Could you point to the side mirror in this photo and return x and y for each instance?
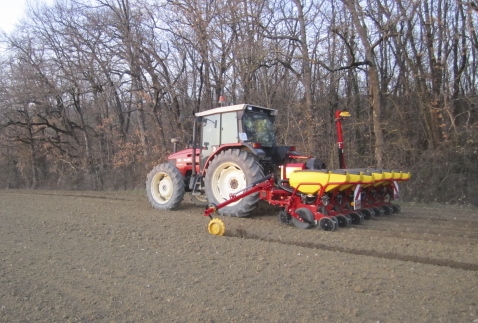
(205, 120)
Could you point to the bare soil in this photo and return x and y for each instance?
(108, 256)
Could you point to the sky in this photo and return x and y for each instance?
(11, 11)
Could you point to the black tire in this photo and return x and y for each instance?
(372, 213)
(366, 214)
(327, 224)
(357, 218)
(387, 209)
(396, 208)
(165, 187)
(229, 172)
(378, 211)
(343, 221)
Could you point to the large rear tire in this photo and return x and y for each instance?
(230, 172)
(165, 187)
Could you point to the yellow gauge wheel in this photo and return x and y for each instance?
(216, 227)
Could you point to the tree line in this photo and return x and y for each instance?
(92, 90)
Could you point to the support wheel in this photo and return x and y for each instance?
(230, 172)
(367, 214)
(334, 219)
(357, 218)
(343, 221)
(387, 210)
(216, 227)
(396, 208)
(327, 224)
(306, 218)
(165, 187)
(362, 217)
(372, 213)
(378, 211)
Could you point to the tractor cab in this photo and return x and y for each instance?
(241, 124)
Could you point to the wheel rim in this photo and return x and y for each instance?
(229, 179)
(162, 188)
(216, 227)
(200, 198)
(327, 224)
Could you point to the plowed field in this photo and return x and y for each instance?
(109, 257)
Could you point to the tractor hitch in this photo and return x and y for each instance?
(265, 183)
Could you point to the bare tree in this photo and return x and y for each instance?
(359, 20)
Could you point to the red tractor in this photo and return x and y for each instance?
(235, 162)
(235, 148)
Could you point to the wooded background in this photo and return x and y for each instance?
(91, 91)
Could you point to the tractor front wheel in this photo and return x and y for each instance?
(229, 173)
(165, 187)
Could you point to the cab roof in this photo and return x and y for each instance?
(231, 108)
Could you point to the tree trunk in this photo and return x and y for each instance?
(373, 82)
(306, 80)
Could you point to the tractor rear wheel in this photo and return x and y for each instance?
(230, 172)
(165, 187)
